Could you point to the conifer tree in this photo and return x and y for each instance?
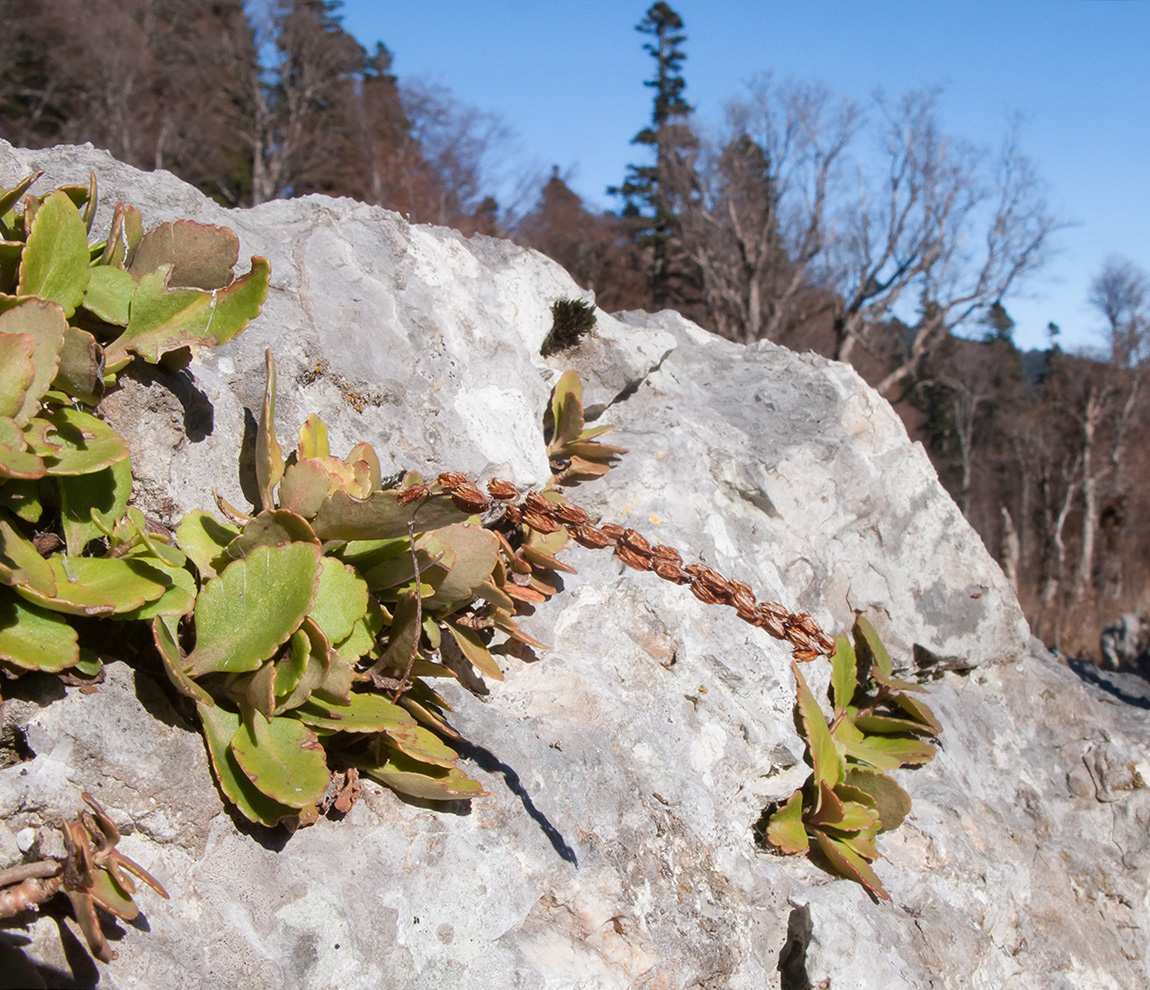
(650, 192)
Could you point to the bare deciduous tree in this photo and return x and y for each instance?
(756, 221)
(936, 226)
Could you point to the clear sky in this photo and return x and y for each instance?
(567, 76)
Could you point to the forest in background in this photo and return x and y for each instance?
(865, 233)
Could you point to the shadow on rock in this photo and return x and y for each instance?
(493, 765)
(1129, 688)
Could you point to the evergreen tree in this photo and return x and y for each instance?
(651, 192)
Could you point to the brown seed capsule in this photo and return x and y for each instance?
(799, 639)
(667, 553)
(805, 656)
(590, 537)
(467, 498)
(668, 570)
(773, 609)
(502, 490)
(473, 621)
(612, 530)
(565, 512)
(747, 615)
(827, 642)
(452, 479)
(537, 503)
(632, 559)
(634, 540)
(718, 586)
(412, 494)
(703, 593)
(513, 514)
(771, 624)
(742, 597)
(539, 522)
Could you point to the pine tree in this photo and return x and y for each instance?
(650, 192)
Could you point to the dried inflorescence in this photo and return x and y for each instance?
(93, 874)
(545, 516)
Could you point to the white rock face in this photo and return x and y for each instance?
(628, 765)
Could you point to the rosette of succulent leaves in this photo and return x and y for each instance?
(878, 725)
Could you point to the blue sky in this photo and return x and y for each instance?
(567, 77)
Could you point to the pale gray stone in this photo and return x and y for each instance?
(628, 765)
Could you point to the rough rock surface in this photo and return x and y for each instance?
(629, 764)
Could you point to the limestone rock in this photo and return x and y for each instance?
(627, 766)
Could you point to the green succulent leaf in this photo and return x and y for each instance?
(855, 817)
(361, 640)
(891, 802)
(163, 318)
(73, 442)
(920, 712)
(164, 634)
(420, 744)
(204, 538)
(107, 490)
(825, 758)
(220, 727)
(33, 638)
(126, 233)
(844, 674)
(849, 863)
(304, 486)
(364, 453)
(381, 516)
(785, 828)
(81, 366)
(337, 683)
(54, 265)
(880, 724)
(420, 780)
(200, 256)
(473, 554)
(828, 808)
(20, 496)
(16, 371)
(270, 528)
(249, 611)
(283, 758)
(21, 563)
(341, 600)
(882, 752)
(113, 898)
(566, 410)
(313, 443)
(10, 197)
(109, 294)
(99, 585)
(16, 461)
(304, 668)
(402, 636)
(867, 643)
(44, 324)
(178, 600)
(471, 646)
(366, 713)
(269, 456)
(398, 569)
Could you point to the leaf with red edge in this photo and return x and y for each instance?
(849, 863)
(785, 828)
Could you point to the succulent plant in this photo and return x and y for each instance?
(848, 799)
(306, 633)
(73, 314)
